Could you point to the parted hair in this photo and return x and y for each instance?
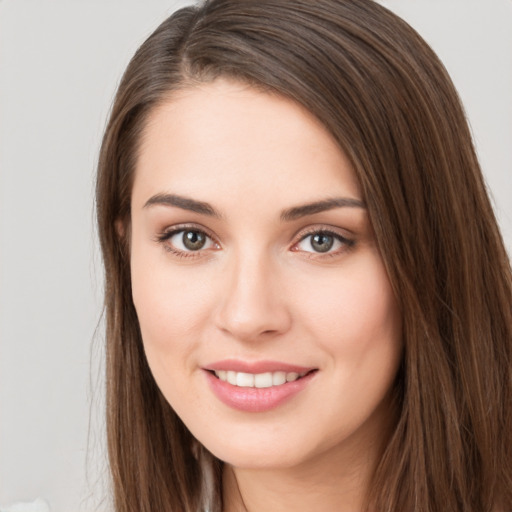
(389, 103)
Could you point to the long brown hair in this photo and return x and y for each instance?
(388, 101)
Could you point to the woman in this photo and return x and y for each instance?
(307, 295)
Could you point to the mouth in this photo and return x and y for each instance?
(259, 380)
(257, 387)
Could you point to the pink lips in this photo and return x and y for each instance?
(256, 367)
(250, 399)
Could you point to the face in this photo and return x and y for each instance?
(266, 313)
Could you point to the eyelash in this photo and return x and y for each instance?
(347, 243)
(164, 237)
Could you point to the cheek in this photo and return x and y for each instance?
(171, 305)
(355, 317)
(355, 321)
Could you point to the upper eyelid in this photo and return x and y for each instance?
(303, 233)
(172, 230)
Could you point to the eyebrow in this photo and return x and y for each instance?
(185, 203)
(293, 213)
(320, 206)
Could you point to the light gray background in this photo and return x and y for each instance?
(60, 61)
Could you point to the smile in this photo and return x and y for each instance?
(257, 386)
(258, 380)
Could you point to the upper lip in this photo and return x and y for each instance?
(256, 367)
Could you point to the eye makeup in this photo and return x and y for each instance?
(192, 241)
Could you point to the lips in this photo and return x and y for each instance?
(256, 386)
(256, 366)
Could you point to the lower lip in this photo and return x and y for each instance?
(256, 399)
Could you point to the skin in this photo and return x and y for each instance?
(258, 290)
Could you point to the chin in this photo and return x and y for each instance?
(259, 458)
(258, 448)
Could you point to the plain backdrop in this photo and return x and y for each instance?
(60, 61)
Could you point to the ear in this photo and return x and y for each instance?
(120, 228)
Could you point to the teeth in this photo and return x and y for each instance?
(290, 377)
(263, 380)
(259, 380)
(278, 378)
(245, 380)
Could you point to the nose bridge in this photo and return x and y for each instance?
(252, 302)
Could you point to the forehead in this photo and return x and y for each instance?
(227, 139)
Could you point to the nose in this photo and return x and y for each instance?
(253, 303)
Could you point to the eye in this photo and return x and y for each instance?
(187, 240)
(323, 242)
